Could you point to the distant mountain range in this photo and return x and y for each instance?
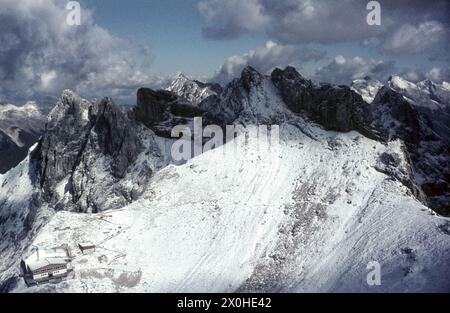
(20, 128)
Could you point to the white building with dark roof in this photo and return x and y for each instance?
(45, 265)
(86, 247)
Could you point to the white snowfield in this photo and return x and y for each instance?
(308, 216)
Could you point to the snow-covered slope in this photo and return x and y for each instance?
(308, 216)
(193, 90)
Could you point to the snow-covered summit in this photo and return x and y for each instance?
(28, 109)
(367, 88)
(192, 90)
(252, 98)
(426, 93)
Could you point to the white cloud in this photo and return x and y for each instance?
(266, 58)
(340, 60)
(406, 26)
(438, 74)
(413, 75)
(344, 70)
(410, 38)
(226, 19)
(41, 55)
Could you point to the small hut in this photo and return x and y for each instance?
(86, 248)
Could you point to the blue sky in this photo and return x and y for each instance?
(172, 28)
(123, 45)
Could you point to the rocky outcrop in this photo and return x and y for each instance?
(115, 136)
(334, 107)
(341, 109)
(395, 117)
(161, 110)
(81, 139)
(59, 150)
(152, 106)
(252, 98)
(413, 113)
(296, 91)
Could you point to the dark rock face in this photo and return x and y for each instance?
(334, 107)
(78, 136)
(296, 91)
(115, 136)
(161, 110)
(152, 106)
(11, 153)
(213, 86)
(250, 78)
(426, 135)
(389, 105)
(59, 150)
(341, 109)
(185, 110)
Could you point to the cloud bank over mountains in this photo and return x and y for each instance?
(266, 58)
(42, 55)
(407, 28)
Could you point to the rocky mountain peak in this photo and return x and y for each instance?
(192, 90)
(291, 74)
(160, 110)
(181, 77)
(367, 88)
(399, 83)
(419, 116)
(250, 78)
(79, 134)
(70, 105)
(152, 105)
(334, 107)
(115, 136)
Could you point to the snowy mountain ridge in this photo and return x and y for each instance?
(418, 114)
(367, 88)
(192, 90)
(307, 216)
